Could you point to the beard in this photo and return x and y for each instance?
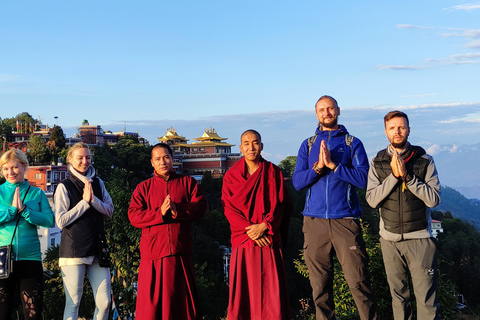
(399, 145)
(331, 124)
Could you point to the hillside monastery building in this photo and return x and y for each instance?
(208, 152)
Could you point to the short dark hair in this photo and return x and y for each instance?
(161, 145)
(326, 97)
(394, 114)
(255, 132)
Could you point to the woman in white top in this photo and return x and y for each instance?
(81, 203)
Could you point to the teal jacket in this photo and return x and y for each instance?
(38, 212)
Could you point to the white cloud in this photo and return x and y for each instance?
(466, 7)
(453, 149)
(400, 67)
(474, 44)
(410, 26)
(433, 149)
(456, 59)
(468, 118)
(464, 33)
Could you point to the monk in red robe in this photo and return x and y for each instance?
(164, 207)
(258, 208)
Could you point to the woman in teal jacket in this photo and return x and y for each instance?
(29, 205)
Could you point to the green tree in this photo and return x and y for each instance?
(53, 292)
(56, 142)
(459, 257)
(23, 119)
(37, 151)
(212, 190)
(123, 241)
(134, 157)
(288, 165)
(5, 131)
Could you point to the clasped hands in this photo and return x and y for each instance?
(398, 166)
(88, 192)
(256, 232)
(17, 201)
(168, 204)
(324, 159)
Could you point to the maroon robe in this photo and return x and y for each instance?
(258, 286)
(166, 279)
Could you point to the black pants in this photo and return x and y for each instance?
(26, 279)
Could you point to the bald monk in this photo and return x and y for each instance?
(258, 208)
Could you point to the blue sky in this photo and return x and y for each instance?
(233, 65)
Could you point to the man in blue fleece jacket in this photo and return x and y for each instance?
(331, 165)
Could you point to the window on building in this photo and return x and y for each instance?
(38, 176)
(52, 242)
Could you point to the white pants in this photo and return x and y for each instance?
(99, 278)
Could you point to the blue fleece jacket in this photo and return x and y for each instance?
(332, 194)
(26, 245)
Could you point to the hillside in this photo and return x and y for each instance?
(459, 206)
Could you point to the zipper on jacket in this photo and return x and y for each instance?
(400, 214)
(328, 176)
(348, 195)
(168, 227)
(309, 192)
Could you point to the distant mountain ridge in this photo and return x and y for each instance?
(459, 206)
(470, 192)
(458, 167)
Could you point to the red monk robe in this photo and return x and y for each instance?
(166, 279)
(258, 286)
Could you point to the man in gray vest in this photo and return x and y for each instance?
(403, 183)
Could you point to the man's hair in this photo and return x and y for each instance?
(76, 146)
(14, 154)
(394, 114)
(327, 97)
(255, 132)
(161, 145)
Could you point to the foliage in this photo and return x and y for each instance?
(123, 241)
(212, 291)
(133, 157)
(212, 189)
(459, 257)
(22, 118)
(5, 131)
(56, 142)
(37, 151)
(53, 296)
(288, 165)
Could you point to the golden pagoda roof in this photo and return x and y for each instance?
(171, 134)
(209, 134)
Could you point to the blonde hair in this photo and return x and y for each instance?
(76, 146)
(14, 154)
